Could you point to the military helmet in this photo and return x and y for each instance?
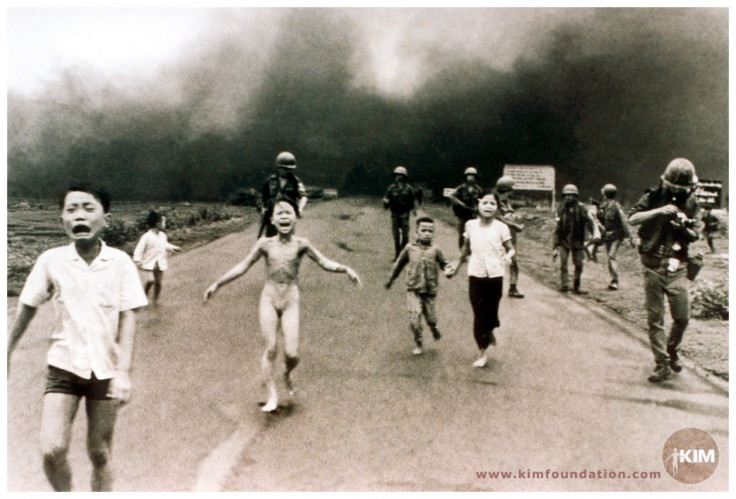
(286, 160)
(471, 171)
(680, 172)
(570, 189)
(505, 184)
(609, 190)
(400, 170)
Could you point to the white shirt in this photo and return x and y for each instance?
(87, 300)
(486, 246)
(151, 250)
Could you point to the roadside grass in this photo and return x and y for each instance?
(32, 229)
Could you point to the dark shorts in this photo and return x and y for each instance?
(61, 381)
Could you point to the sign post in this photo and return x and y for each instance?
(533, 178)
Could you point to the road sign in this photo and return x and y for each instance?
(531, 177)
(709, 192)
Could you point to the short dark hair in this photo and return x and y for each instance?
(99, 192)
(286, 199)
(425, 220)
(153, 218)
(486, 192)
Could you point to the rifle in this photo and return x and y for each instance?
(264, 224)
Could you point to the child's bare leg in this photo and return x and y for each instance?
(414, 307)
(58, 414)
(269, 319)
(290, 328)
(158, 277)
(101, 416)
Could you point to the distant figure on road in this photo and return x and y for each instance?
(490, 242)
(615, 229)
(400, 198)
(282, 184)
(151, 254)
(279, 304)
(667, 215)
(711, 225)
(95, 291)
(573, 220)
(464, 201)
(591, 246)
(504, 188)
(423, 261)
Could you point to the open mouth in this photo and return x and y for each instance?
(80, 229)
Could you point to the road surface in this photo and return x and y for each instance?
(565, 389)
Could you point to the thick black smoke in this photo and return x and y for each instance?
(609, 97)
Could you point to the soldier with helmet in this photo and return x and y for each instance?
(464, 201)
(282, 184)
(504, 188)
(666, 215)
(616, 229)
(573, 220)
(711, 225)
(401, 199)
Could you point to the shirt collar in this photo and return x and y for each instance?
(104, 255)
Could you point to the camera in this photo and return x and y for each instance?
(684, 224)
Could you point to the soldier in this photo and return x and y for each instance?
(464, 201)
(281, 184)
(711, 225)
(667, 215)
(616, 229)
(504, 188)
(573, 220)
(400, 198)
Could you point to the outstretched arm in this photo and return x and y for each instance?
(22, 318)
(453, 267)
(329, 265)
(120, 385)
(139, 249)
(510, 252)
(401, 261)
(236, 271)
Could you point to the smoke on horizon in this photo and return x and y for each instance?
(604, 95)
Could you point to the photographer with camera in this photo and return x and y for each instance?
(667, 215)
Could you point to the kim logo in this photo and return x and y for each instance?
(690, 455)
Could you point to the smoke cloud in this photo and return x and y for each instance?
(604, 95)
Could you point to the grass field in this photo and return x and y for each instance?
(35, 228)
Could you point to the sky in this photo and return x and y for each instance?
(505, 75)
(122, 41)
(113, 41)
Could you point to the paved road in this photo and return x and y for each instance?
(566, 389)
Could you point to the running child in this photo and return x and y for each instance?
(422, 260)
(151, 254)
(279, 303)
(95, 291)
(492, 250)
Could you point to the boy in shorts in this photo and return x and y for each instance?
(95, 291)
(423, 261)
(279, 303)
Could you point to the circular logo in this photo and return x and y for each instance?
(690, 455)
